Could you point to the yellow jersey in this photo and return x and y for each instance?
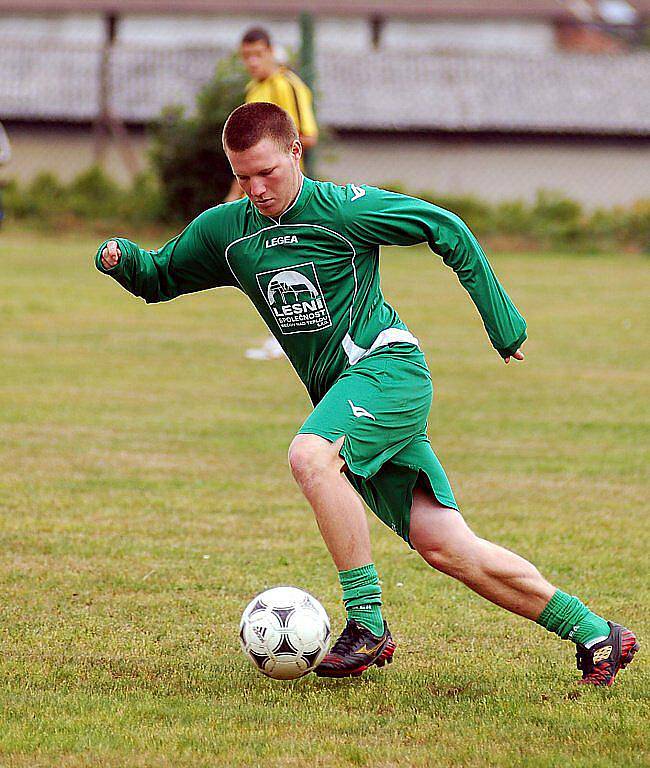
(288, 91)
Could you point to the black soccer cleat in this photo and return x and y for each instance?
(600, 663)
(356, 650)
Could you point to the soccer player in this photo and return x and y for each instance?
(306, 254)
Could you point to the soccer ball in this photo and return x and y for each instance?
(285, 632)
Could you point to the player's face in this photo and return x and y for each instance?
(258, 59)
(269, 175)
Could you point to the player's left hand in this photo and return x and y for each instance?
(111, 254)
(519, 355)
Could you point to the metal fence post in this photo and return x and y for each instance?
(308, 74)
(107, 125)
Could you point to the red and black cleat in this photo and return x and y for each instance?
(600, 663)
(356, 650)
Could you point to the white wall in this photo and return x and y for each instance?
(83, 28)
(531, 37)
(331, 33)
(228, 31)
(594, 174)
(196, 29)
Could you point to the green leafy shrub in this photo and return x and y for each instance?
(637, 225)
(513, 217)
(143, 202)
(92, 194)
(608, 227)
(557, 220)
(13, 200)
(551, 221)
(476, 213)
(187, 154)
(617, 228)
(44, 199)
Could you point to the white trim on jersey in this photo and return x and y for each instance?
(387, 336)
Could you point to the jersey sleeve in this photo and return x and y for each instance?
(304, 106)
(374, 217)
(192, 261)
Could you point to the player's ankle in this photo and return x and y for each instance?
(571, 620)
(369, 617)
(362, 597)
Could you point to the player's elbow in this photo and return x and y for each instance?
(457, 225)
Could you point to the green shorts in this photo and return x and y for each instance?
(381, 405)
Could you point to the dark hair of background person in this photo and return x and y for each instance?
(255, 34)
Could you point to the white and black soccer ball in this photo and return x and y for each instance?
(285, 632)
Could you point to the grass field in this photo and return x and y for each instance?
(145, 498)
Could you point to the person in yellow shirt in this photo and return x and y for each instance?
(277, 84)
(272, 82)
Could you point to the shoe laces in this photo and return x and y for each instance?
(348, 640)
(585, 663)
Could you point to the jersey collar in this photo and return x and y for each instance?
(299, 204)
(302, 198)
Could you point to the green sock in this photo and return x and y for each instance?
(362, 597)
(572, 620)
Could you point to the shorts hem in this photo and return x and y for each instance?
(401, 528)
(343, 453)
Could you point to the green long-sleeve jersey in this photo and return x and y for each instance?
(313, 273)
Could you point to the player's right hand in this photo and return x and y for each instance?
(518, 355)
(111, 254)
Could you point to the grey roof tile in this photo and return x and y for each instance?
(371, 91)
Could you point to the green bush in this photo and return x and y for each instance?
(187, 154)
(13, 200)
(476, 213)
(608, 227)
(637, 227)
(551, 221)
(557, 220)
(514, 218)
(143, 202)
(44, 199)
(92, 194)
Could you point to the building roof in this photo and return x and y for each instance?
(532, 9)
(450, 91)
(459, 91)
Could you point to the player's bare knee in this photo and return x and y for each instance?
(300, 455)
(312, 457)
